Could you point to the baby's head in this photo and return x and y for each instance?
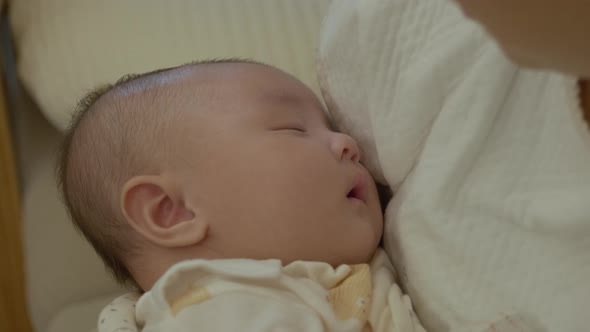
(221, 159)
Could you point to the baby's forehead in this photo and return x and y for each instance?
(211, 89)
(296, 102)
(268, 86)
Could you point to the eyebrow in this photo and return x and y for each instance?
(285, 98)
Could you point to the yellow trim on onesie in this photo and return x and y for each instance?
(194, 296)
(351, 298)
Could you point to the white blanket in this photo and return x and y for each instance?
(490, 163)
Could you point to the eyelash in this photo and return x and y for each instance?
(290, 125)
(296, 129)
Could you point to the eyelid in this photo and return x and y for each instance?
(292, 130)
(296, 128)
(292, 126)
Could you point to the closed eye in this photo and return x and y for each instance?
(295, 129)
(292, 128)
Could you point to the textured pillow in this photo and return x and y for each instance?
(67, 47)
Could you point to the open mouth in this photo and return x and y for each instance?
(358, 191)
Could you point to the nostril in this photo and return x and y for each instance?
(352, 193)
(344, 147)
(350, 154)
(346, 152)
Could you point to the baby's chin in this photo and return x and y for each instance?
(371, 252)
(363, 255)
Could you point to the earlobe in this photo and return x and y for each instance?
(155, 208)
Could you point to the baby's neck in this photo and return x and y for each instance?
(153, 262)
(585, 99)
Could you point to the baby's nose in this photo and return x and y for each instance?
(345, 147)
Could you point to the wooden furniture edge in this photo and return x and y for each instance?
(13, 303)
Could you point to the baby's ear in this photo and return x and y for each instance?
(153, 206)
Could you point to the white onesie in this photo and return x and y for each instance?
(252, 295)
(249, 295)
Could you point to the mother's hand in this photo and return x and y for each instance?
(549, 34)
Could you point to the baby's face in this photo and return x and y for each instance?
(262, 166)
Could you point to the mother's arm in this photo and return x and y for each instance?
(550, 34)
(585, 98)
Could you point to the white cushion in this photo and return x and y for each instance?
(67, 47)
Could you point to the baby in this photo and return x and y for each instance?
(221, 191)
